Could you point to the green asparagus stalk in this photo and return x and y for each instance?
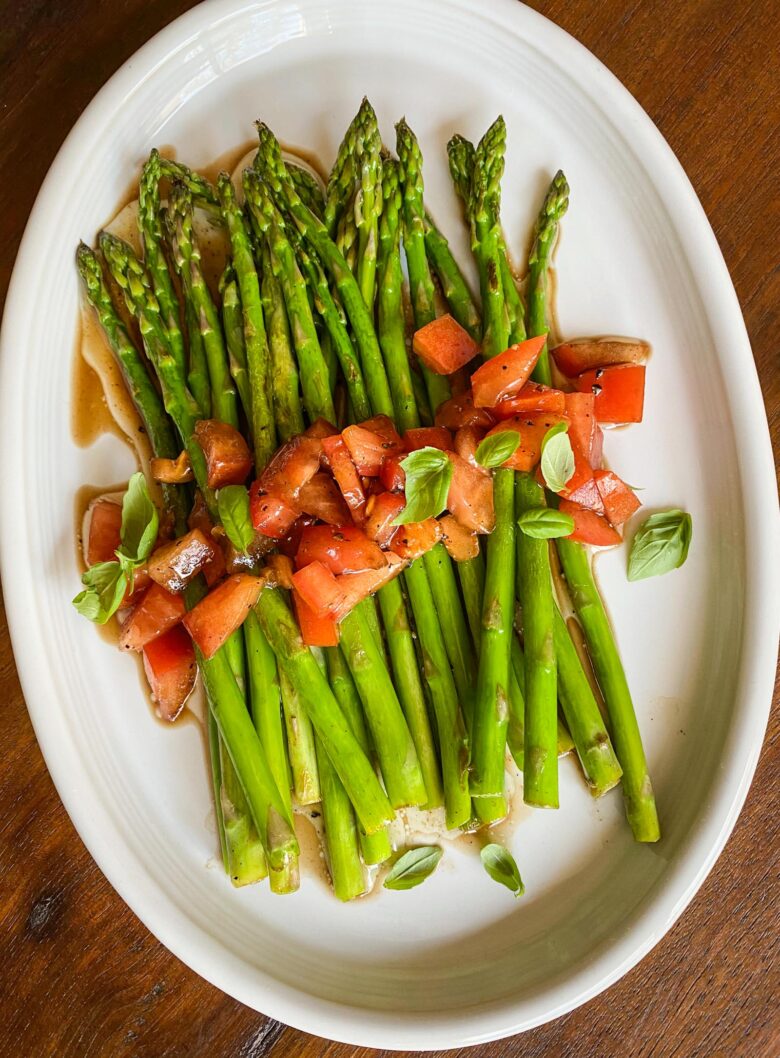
(198, 367)
(368, 201)
(233, 327)
(555, 204)
(286, 384)
(342, 178)
(300, 745)
(308, 188)
(341, 833)
(453, 285)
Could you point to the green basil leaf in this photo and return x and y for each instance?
(660, 544)
(140, 521)
(233, 507)
(105, 585)
(557, 457)
(428, 477)
(545, 523)
(497, 448)
(414, 866)
(500, 865)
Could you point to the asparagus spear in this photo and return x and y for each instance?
(308, 188)
(342, 177)
(300, 745)
(453, 284)
(286, 384)
(368, 200)
(233, 326)
(555, 204)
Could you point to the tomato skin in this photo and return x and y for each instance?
(414, 539)
(382, 510)
(343, 549)
(157, 611)
(470, 498)
(467, 441)
(619, 391)
(322, 499)
(460, 411)
(218, 614)
(228, 459)
(444, 346)
(295, 463)
(461, 544)
(271, 515)
(175, 564)
(392, 474)
(103, 534)
(319, 589)
(504, 375)
(620, 502)
(315, 631)
(532, 429)
(170, 667)
(584, 354)
(428, 437)
(342, 468)
(585, 433)
(589, 527)
(533, 397)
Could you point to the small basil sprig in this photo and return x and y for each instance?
(545, 523)
(105, 583)
(413, 867)
(497, 448)
(428, 478)
(500, 865)
(233, 508)
(660, 544)
(557, 457)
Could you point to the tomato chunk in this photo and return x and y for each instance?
(104, 521)
(358, 586)
(584, 432)
(467, 441)
(319, 589)
(176, 471)
(228, 459)
(290, 543)
(214, 569)
(415, 538)
(366, 449)
(295, 463)
(321, 498)
(620, 502)
(460, 411)
(315, 631)
(383, 425)
(343, 549)
(589, 527)
(619, 391)
(444, 346)
(470, 497)
(382, 511)
(271, 515)
(222, 611)
(428, 437)
(586, 494)
(321, 429)
(174, 565)
(392, 474)
(169, 664)
(157, 611)
(347, 478)
(505, 374)
(281, 568)
(461, 543)
(532, 397)
(532, 430)
(583, 354)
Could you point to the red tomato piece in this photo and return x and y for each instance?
(392, 474)
(271, 515)
(358, 586)
(412, 540)
(157, 611)
(382, 510)
(470, 497)
(583, 354)
(619, 391)
(319, 589)
(214, 569)
(290, 543)
(347, 478)
(366, 449)
(383, 425)
(315, 631)
(460, 411)
(174, 565)
(228, 459)
(444, 346)
(467, 441)
(428, 437)
(532, 430)
(176, 471)
(504, 375)
(295, 463)
(321, 429)
(321, 498)
(584, 432)
(460, 542)
(343, 549)
(620, 502)
(141, 581)
(589, 527)
(222, 611)
(104, 521)
(169, 664)
(587, 494)
(532, 397)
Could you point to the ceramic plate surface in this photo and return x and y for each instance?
(456, 961)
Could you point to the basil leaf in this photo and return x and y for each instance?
(140, 521)
(557, 457)
(105, 585)
(233, 507)
(500, 865)
(660, 544)
(544, 523)
(496, 449)
(428, 477)
(414, 866)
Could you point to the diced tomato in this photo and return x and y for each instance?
(174, 565)
(392, 474)
(199, 518)
(271, 515)
(532, 397)
(228, 459)
(444, 346)
(584, 432)
(620, 502)
(169, 664)
(505, 374)
(415, 538)
(104, 521)
(358, 586)
(460, 411)
(470, 497)
(321, 428)
(619, 391)
(366, 449)
(245, 561)
(141, 581)
(321, 498)
(460, 542)
(589, 527)
(176, 471)
(583, 354)
(343, 549)
(222, 611)
(382, 510)
(428, 437)
(290, 543)
(347, 478)
(295, 463)
(157, 611)
(315, 631)
(586, 495)
(532, 429)
(383, 425)
(467, 441)
(215, 569)
(281, 568)
(319, 589)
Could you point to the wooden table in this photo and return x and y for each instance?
(80, 977)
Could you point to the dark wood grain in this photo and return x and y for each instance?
(80, 977)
